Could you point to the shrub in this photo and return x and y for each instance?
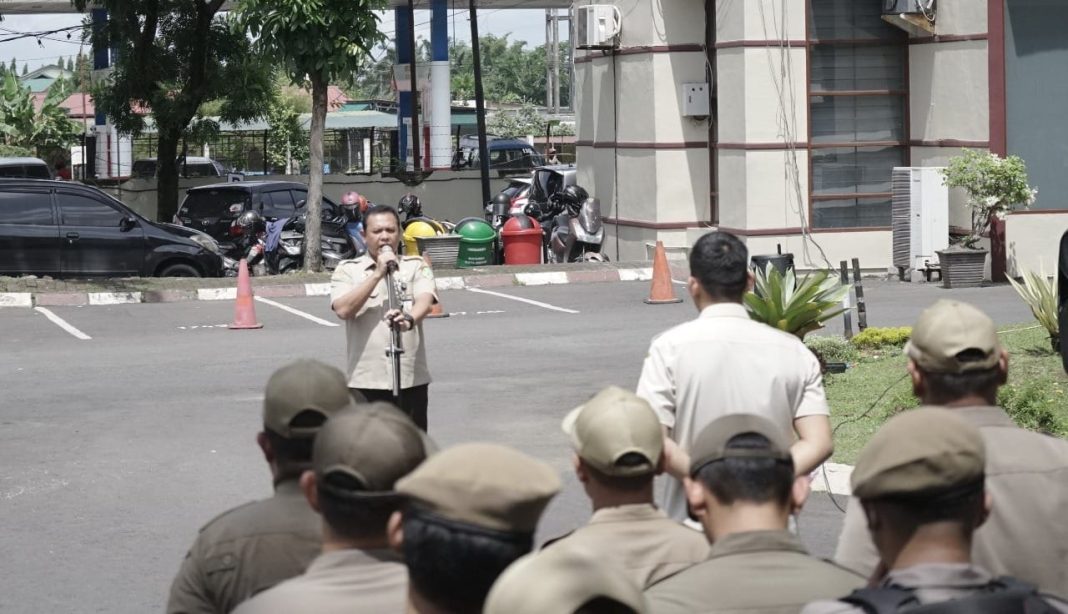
(876, 338)
(1034, 404)
(833, 349)
(1040, 294)
(795, 306)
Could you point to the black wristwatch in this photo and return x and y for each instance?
(411, 321)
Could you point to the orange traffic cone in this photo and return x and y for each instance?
(661, 291)
(244, 307)
(435, 311)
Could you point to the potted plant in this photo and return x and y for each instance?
(796, 307)
(995, 186)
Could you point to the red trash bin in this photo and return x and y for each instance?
(521, 237)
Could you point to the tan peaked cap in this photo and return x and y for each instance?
(711, 442)
(924, 451)
(301, 386)
(560, 579)
(612, 424)
(485, 485)
(946, 329)
(374, 444)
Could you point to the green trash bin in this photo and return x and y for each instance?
(476, 243)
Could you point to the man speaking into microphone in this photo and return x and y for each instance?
(360, 296)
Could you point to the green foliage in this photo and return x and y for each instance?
(1036, 404)
(520, 123)
(287, 140)
(995, 187)
(27, 131)
(833, 348)
(874, 338)
(1040, 294)
(797, 310)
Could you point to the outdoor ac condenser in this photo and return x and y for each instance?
(597, 26)
(919, 218)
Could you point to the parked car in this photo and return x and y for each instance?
(505, 155)
(26, 168)
(190, 166)
(66, 229)
(212, 208)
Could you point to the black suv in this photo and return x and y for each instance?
(69, 229)
(211, 208)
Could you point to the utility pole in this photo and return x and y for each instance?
(480, 103)
(416, 162)
(552, 53)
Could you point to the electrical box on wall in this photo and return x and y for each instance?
(695, 101)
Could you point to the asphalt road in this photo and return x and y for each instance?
(115, 449)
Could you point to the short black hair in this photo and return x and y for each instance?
(381, 209)
(454, 564)
(604, 605)
(753, 480)
(352, 512)
(719, 262)
(293, 456)
(964, 505)
(623, 483)
(943, 388)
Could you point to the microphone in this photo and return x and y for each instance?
(392, 265)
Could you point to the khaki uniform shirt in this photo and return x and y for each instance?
(1026, 535)
(368, 336)
(723, 362)
(340, 582)
(641, 540)
(758, 572)
(247, 550)
(933, 583)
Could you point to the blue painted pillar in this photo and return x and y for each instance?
(440, 87)
(101, 61)
(402, 42)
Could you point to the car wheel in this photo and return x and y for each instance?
(179, 270)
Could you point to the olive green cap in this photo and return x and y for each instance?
(948, 328)
(304, 385)
(926, 451)
(561, 579)
(485, 485)
(615, 423)
(373, 445)
(711, 443)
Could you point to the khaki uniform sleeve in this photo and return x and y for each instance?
(657, 384)
(189, 592)
(855, 549)
(813, 398)
(340, 283)
(423, 281)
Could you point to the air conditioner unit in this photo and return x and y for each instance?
(919, 217)
(908, 7)
(597, 26)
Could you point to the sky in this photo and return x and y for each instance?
(527, 25)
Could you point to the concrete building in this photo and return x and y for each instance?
(813, 102)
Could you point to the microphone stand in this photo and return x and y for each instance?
(396, 348)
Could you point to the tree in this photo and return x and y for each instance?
(173, 55)
(320, 41)
(524, 122)
(26, 131)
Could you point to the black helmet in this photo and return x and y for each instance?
(501, 199)
(574, 194)
(250, 221)
(410, 204)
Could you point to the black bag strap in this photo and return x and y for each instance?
(883, 600)
(1004, 595)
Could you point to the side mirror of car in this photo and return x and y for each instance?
(127, 223)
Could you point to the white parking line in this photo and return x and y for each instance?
(60, 322)
(296, 312)
(523, 300)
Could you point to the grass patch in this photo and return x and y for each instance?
(1034, 396)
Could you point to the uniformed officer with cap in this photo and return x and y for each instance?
(472, 511)
(359, 296)
(564, 581)
(956, 360)
(743, 489)
(257, 545)
(358, 457)
(619, 449)
(920, 483)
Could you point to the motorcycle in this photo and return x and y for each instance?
(572, 228)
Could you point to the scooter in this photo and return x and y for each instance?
(572, 228)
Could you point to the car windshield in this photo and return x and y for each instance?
(214, 203)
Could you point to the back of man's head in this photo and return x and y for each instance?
(719, 262)
(955, 354)
(357, 459)
(472, 511)
(298, 399)
(744, 458)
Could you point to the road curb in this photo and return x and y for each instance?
(836, 476)
(296, 290)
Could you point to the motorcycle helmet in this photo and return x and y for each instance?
(499, 205)
(355, 202)
(574, 194)
(410, 205)
(249, 223)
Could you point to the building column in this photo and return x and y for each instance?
(101, 62)
(441, 88)
(402, 43)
